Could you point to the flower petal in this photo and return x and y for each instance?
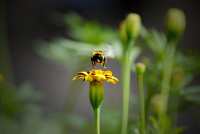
(96, 75)
(81, 76)
(108, 73)
(112, 79)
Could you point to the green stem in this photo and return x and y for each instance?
(165, 85)
(97, 120)
(126, 74)
(142, 103)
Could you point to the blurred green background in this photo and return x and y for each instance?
(36, 92)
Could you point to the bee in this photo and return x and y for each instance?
(98, 57)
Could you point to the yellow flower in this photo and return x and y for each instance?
(96, 75)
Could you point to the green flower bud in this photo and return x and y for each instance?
(130, 27)
(175, 23)
(140, 68)
(96, 94)
(157, 103)
(133, 25)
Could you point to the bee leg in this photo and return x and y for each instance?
(93, 64)
(104, 63)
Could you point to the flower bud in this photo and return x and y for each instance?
(96, 94)
(133, 25)
(157, 103)
(140, 68)
(130, 27)
(175, 23)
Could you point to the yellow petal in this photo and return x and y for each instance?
(108, 73)
(98, 72)
(112, 80)
(82, 73)
(88, 78)
(96, 75)
(80, 76)
(99, 77)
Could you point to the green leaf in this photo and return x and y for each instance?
(155, 40)
(89, 31)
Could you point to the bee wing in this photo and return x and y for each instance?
(108, 51)
(93, 51)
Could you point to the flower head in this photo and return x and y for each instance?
(130, 27)
(140, 68)
(175, 23)
(96, 75)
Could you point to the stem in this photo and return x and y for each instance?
(142, 103)
(126, 74)
(97, 120)
(165, 85)
(167, 77)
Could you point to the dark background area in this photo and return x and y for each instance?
(30, 20)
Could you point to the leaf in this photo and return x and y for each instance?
(89, 31)
(155, 40)
(155, 125)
